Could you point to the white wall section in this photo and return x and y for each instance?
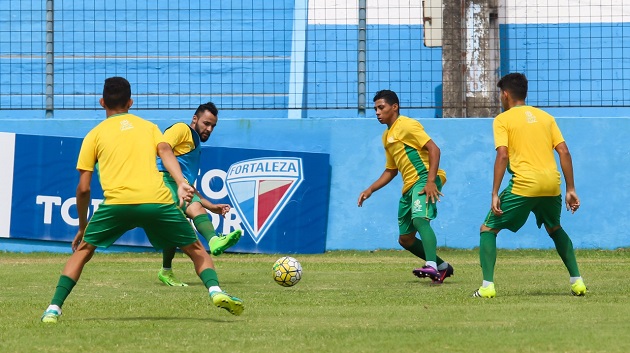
(7, 146)
(406, 12)
(379, 12)
(563, 11)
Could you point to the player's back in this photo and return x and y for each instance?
(126, 148)
(530, 135)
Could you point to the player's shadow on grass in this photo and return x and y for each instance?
(540, 293)
(427, 282)
(226, 283)
(158, 318)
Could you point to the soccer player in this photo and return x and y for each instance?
(525, 138)
(411, 151)
(125, 147)
(185, 140)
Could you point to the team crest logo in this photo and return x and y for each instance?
(417, 206)
(260, 189)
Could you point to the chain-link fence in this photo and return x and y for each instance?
(311, 57)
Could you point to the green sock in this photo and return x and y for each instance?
(488, 254)
(429, 241)
(418, 249)
(564, 246)
(167, 257)
(64, 287)
(204, 226)
(209, 277)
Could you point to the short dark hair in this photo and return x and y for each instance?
(389, 96)
(207, 107)
(515, 84)
(116, 92)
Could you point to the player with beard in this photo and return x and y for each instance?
(185, 139)
(125, 147)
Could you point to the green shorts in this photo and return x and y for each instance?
(166, 225)
(412, 205)
(172, 185)
(516, 210)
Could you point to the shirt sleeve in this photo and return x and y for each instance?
(87, 154)
(500, 133)
(176, 134)
(389, 161)
(414, 135)
(556, 135)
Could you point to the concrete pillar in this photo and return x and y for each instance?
(452, 60)
(481, 58)
(470, 58)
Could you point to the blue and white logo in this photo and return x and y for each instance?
(260, 188)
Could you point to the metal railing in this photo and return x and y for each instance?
(311, 57)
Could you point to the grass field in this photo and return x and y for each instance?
(346, 302)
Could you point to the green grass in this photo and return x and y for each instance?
(346, 302)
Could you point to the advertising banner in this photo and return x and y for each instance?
(278, 198)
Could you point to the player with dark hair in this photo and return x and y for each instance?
(525, 138)
(185, 140)
(411, 151)
(125, 147)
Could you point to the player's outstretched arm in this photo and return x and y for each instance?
(387, 176)
(217, 208)
(566, 163)
(83, 202)
(500, 164)
(431, 189)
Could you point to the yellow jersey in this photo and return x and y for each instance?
(530, 135)
(179, 136)
(125, 147)
(186, 145)
(403, 143)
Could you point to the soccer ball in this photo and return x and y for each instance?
(287, 271)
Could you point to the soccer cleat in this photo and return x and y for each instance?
(448, 272)
(578, 288)
(427, 271)
(225, 301)
(168, 277)
(218, 244)
(51, 316)
(487, 292)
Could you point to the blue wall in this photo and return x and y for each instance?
(600, 159)
(178, 54)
